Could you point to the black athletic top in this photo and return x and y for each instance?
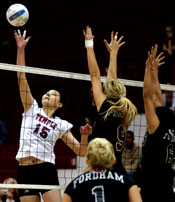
(111, 129)
(158, 157)
(103, 186)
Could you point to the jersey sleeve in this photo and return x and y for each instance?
(31, 109)
(63, 126)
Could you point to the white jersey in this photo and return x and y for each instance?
(39, 134)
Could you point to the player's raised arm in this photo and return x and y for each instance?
(157, 92)
(151, 117)
(113, 48)
(94, 71)
(25, 94)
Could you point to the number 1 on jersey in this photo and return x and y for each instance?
(98, 191)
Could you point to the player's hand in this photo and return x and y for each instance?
(88, 33)
(115, 44)
(153, 61)
(21, 40)
(86, 129)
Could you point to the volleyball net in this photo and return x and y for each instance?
(74, 87)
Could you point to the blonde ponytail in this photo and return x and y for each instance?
(116, 90)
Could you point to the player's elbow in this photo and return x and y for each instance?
(82, 154)
(95, 76)
(147, 94)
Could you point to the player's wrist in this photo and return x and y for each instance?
(113, 54)
(21, 49)
(89, 43)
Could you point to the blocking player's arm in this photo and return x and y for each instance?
(113, 49)
(99, 96)
(151, 117)
(134, 194)
(157, 92)
(94, 71)
(25, 94)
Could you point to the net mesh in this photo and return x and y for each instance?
(74, 87)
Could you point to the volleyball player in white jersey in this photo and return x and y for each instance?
(39, 132)
(100, 182)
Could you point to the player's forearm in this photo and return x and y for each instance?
(21, 75)
(20, 60)
(21, 57)
(112, 69)
(24, 89)
(83, 144)
(147, 85)
(92, 63)
(157, 92)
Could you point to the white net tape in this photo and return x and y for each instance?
(31, 186)
(72, 75)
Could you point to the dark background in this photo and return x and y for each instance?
(57, 43)
(56, 29)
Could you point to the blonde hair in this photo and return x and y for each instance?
(116, 90)
(100, 154)
(10, 180)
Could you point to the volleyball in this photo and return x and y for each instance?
(17, 15)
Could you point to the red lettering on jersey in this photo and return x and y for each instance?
(44, 120)
(48, 122)
(53, 125)
(41, 117)
(38, 116)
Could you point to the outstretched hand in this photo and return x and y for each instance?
(86, 129)
(153, 61)
(21, 40)
(88, 33)
(114, 44)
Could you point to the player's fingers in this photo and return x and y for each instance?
(105, 41)
(160, 55)
(15, 33)
(27, 40)
(88, 31)
(112, 35)
(116, 36)
(107, 45)
(19, 33)
(155, 50)
(121, 44)
(162, 63)
(120, 39)
(24, 34)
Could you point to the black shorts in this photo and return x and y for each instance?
(39, 174)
